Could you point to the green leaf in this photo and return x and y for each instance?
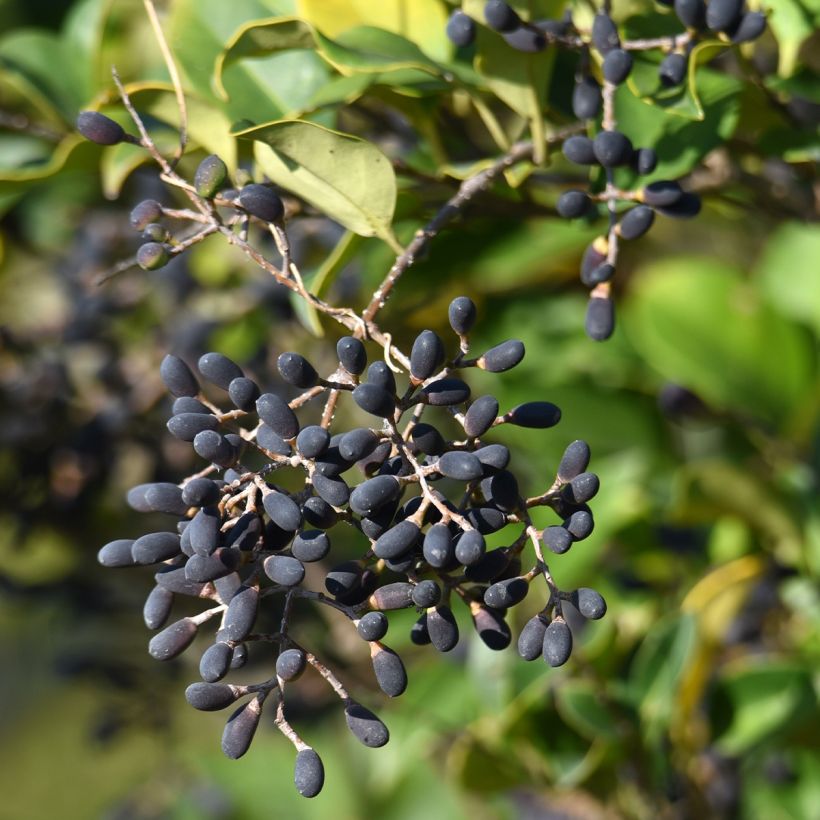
(18, 93)
(341, 90)
(197, 30)
(791, 25)
(754, 701)
(261, 38)
(345, 177)
(421, 21)
(370, 49)
(82, 36)
(789, 145)
(685, 139)
(581, 708)
(517, 79)
(698, 323)
(14, 182)
(789, 275)
(658, 667)
(207, 127)
(40, 56)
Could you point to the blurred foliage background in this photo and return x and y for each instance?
(696, 696)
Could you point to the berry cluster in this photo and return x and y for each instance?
(420, 497)
(593, 101)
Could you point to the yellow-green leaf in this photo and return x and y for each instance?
(343, 176)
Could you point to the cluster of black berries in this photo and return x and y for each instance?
(529, 37)
(727, 19)
(419, 499)
(610, 148)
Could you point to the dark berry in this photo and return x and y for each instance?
(500, 16)
(612, 148)
(573, 204)
(262, 202)
(586, 98)
(617, 65)
(296, 370)
(600, 318)
(605, 33)
(636, 222)
(461, 29)
(98, 128)
(462, 314)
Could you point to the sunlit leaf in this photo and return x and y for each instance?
(343, 176)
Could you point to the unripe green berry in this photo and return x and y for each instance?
(152, 255)
(210, 176)
(154, 232)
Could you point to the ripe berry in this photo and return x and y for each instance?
(461, 29)
(290, 664)
(296, 370)
(365, 726)
(262, 202)
(480, 415)
(500, 16)
(686, 207)
(462, 315)
(308, 773)
(661, 193)
(557, 646)
(98, 128)
(388, 669)
(751, 26)
(352, 354)
(502, 357)
(531, 639)
(372, 626)
(574, 461)
(612, 148)
(645, 160)
(673, 69)
(573, 204)
(586, 98)
(426, 356)
(211, 697)
(600, 318)
(636, 222)
(375, 400)
(442, 628)
(526, 40)
(579, 149)
(617, 66)
(240, 729)
(605, 33)
(723, 15)
(692, 13)
(426, 594)
(219, 369)
(589, 603)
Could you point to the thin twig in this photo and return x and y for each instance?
(175, 79)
